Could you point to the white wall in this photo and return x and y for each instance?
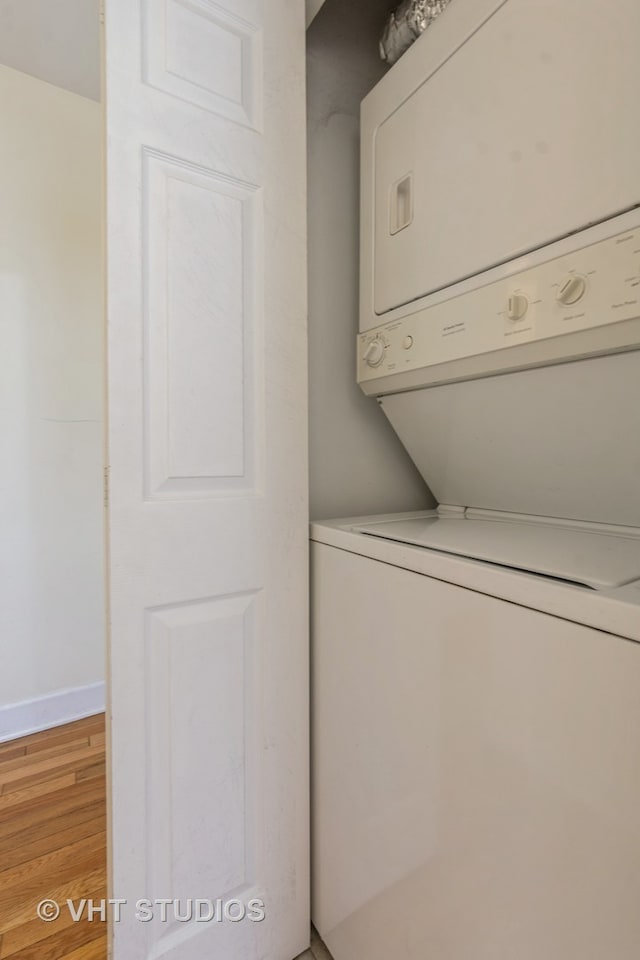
(357, 464)
(56, 41)
(51, 384)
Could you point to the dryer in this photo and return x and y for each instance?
(476, 668)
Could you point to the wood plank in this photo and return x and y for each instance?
(24, 909)
(54, 825)
(54, 735)
(46, 807)
(36, 930)
(19, 905)
(11, 749)
(97, 950)
(27, 760)
(54, 864)
(74, 767)
(77, 761)
(19, 798)
(23, 853)
(62, 943)
(98, 739)
(61, 761)
(90, 773)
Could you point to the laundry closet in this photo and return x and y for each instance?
(475, 667)
(474, 446)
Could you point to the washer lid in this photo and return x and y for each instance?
(575, 554)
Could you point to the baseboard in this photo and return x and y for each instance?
(52, 710)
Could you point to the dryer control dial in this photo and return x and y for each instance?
(517, 306)
(571, 289)
(374, 353)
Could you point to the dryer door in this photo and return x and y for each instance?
(501, 148)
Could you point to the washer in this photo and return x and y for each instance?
(476, 760)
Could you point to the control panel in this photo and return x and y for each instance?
(590, 287)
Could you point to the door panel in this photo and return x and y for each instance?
(207, 494)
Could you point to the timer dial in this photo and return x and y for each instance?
(517, 306)
(571, 289)
(374, 353)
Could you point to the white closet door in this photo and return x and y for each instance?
(207, 486)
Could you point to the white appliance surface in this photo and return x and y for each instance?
(475, 761)
(612, 609)
(555, 441)
(477, 147)
(576, 297)
(523, 394)
(579, 555)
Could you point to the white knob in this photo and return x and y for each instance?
(517, 306)
(374, 354)
(571, 289)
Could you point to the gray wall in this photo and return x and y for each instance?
(357, 464)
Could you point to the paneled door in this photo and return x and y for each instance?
(206, 487)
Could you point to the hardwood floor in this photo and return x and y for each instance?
(52, 841)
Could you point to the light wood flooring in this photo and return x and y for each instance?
(52, 841)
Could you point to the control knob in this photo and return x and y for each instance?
(517, 306)
(571, 289)
(374, 354)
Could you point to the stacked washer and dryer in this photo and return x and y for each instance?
(476, 668)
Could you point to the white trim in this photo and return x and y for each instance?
(52, 710)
